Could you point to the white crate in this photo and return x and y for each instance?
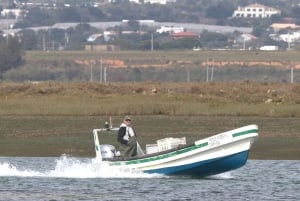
(169, 143)
(151, 148)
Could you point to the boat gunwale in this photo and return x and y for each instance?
(177, 150)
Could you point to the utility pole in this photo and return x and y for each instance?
(292, 75)
(187, 74)
(66, 40)
(289, 41)
(44, 42)
(101, 70)
(152, 47)
(91, 73)
(212, 73)
(104, 74)
(209, 67)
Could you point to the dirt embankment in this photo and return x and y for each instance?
(117, 63)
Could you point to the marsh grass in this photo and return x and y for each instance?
(246, 98)
(139, 104)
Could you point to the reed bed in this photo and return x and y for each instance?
(227, 99)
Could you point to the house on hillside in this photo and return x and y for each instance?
(290, 37)
(93, 37)
(169, 29)
(255, 11)
(279, 26)
(164, 2)
(244, 40)
(245, 37)
(13, 13)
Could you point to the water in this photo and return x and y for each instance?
(67, 178)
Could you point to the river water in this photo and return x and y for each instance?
(67, 178)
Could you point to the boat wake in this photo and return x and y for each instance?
(222, 176)
(68, 167)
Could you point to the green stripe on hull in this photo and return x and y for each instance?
(167, 155)
(244, 133)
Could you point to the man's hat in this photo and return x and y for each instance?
(127, 117)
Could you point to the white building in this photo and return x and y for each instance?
(255, 11)
(145, 1)
(153, 1)
(134, 1)
(17, 13)
(246, 37)
(169, 29)
(290, 37)
(93, 37)
(269, 48)
(279, 26)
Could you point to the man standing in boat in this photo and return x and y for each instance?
(127, 138)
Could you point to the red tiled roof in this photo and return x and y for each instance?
(185, 34)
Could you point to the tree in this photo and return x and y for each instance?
(220, 11)
(69, 15)
(184, 43)
(133, 25)
(214, 39)
(10, 54)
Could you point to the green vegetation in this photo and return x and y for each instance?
(10, 54)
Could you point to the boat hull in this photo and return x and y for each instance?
(207, 167)
(214, 155)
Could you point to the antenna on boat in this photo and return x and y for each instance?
(110, 121)
(97, 145)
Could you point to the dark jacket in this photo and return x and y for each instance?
(121, 134)
(125, 133)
